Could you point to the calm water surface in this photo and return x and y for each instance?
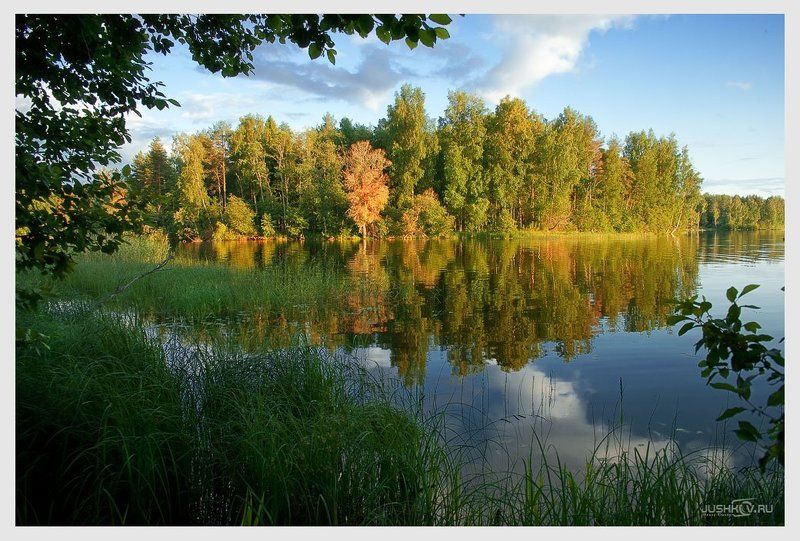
(533, 340)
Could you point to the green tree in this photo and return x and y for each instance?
(324, 201)
(773, 213)
(154, 177)
(430, 216)
(217, 157)
(267, 228)
(404, 133)
(153, 170)
(689, 203)
(660, 196)
(285, 157)
(195, 214)
(463, 135)
(80, 75)
(240, 218)
(736, 213)
(567, 157)
(249, 158)
(615, 178)
(352, 133)
(510, 141)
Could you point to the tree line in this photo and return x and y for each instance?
(471, 170)
(742, 213)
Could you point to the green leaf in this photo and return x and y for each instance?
(731, 293)
(725, 387)
(752, 326)
(411, 44)
(685, 328)
(730, 412)
(274, 22)
(397, 31)
(314, 51)
(427, 37)
(365, 25)
(674, 319)
(776, 398)
(440, 18)
(332, 56)
(747, 432)
(441, 33)
(747, 289)
(383, 34)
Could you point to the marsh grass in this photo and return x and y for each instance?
(190, 288)
(100, 430)
(115, 428)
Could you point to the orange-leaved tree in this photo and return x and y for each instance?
(366, 184)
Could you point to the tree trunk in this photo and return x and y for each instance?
(224, 184)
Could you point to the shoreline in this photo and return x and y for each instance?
(522, 234)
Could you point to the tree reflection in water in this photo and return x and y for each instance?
(504, 301)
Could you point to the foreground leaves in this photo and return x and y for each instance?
(736, 347)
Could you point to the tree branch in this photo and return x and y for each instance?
(157, 268)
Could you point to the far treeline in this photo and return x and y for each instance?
(473, 170)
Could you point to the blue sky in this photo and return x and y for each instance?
(715, 81)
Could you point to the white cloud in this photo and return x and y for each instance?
(144, 129)
(741, 85)
(199, 107)
(762, 186)
(208, 107)
(368, 84)
(538, 46)
(539, 407)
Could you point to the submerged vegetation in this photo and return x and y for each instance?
(116, 427)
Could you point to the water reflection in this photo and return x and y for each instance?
(498, 300)
(528, 339)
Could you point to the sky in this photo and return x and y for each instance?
(715, 81)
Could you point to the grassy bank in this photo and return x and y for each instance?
(113, 428)
(192, 288)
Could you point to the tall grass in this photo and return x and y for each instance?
(100, 427)
(114, 427)
(191, 288)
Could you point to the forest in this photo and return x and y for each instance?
(735, 212)
(471, 170)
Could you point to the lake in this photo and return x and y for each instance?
(537, 341)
